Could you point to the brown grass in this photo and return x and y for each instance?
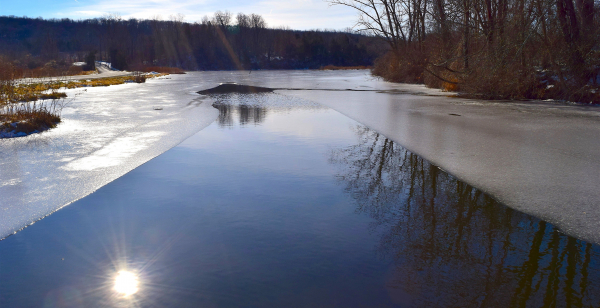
(487, 77)
(20, 110)
(101, 82)
(46, 72)
(449, 87)
(29, 121)
(138, 77)
(408, 69)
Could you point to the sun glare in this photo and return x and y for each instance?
(126, 283)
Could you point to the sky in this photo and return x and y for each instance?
(296, 14)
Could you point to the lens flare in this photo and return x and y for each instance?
(126, 283)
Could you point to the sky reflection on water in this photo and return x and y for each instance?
(282, 203)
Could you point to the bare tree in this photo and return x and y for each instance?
(243, 21)
(381, 18)
(222, 19)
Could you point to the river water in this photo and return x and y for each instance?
(278, 202)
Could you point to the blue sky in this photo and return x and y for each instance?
(297, 14)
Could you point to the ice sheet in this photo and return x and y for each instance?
(105, 133)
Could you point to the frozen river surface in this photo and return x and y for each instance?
(282, 202)
(275, 200)
(105, 133)
(539, 158)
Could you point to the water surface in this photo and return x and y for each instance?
(284, 203)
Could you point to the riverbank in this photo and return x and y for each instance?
(34, 105)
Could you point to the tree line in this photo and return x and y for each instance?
(222, 42)
(495, 48)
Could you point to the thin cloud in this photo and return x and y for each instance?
(297, 14)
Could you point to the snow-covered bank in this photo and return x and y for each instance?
(104, 71)
(105, 133)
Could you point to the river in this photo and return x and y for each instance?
(273, 200)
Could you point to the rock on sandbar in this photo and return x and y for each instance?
(227, 88)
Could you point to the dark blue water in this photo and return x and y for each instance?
(283, 203)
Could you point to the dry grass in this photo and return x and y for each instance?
(38, 89)
(449, 87)
(138, 77)
(50, 71)
(50, 90)
(408, 69)
(29, 116)
(31, 92)
(29, 121)
(34, 107)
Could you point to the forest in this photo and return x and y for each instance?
(222, 42)
(491, 49)
(497, 49)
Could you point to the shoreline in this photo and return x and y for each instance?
(36, 88)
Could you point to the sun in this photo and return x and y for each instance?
(126, 283)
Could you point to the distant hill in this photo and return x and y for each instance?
(217, 44)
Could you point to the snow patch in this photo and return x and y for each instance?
(105, 132)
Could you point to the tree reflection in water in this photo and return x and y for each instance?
(454, 246)
(245, 114)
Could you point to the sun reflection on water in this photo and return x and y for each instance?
(126, 283)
